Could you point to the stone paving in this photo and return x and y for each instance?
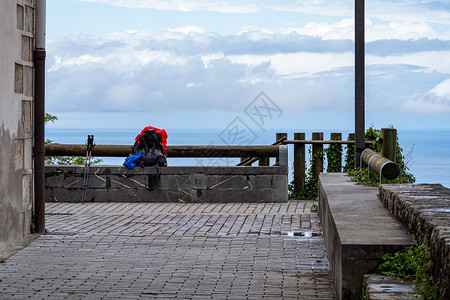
(173, 250)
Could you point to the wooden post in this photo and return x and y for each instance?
(299, 164)
(278, 136)
(359, 81)
(317, 155)
(335, 152)
(264, 161)
(389, 145)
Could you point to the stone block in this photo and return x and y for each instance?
(27, 52)
(27, 125)
(28, 81)
(388, 287)
(29, 19)
(28, 154)
(115, 195)
(26, 190)
(157, 195)
(18, 79)
(18, 154)
(20, 17)
(67, 195)
(127, 181)
(94, 181)
(226, 182)
(54, 181)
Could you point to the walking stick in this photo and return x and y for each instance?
(89, 148)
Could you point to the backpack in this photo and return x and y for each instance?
(149, 150)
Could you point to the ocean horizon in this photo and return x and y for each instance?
(427, 152)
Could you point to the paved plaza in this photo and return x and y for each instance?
(172, 250)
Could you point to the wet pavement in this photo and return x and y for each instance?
(172, 250)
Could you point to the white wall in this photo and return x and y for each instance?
(16, 130)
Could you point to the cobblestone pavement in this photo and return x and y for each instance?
(166, 250)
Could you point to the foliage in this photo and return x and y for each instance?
(349, 160)
(64, 160)
(414, 263)
(50, 118)
(333, 155)
(362, 175)
(310, 185)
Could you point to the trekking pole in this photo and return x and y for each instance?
(89, 148)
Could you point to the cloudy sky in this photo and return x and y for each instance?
(204, 63)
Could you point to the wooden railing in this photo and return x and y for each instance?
(387, 139)
(250, 154)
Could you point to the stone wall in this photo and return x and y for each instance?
(172, 184)
(16, 129)
(424, 209)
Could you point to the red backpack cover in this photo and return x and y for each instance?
(162, 132)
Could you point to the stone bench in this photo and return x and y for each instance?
(172, 184)
(357, 229)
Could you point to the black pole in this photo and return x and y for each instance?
(39, 145)
(359, 81)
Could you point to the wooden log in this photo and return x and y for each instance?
(299, 164)
(280, 135)
(172, 151)
(389, 145)
(317, 155)
(389, 169)
(352, 142)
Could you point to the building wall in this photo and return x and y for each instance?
(16, 123)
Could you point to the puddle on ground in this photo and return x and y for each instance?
(303, 233)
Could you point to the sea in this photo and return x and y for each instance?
(426, 152)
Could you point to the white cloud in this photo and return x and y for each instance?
(186, 6)
(442, 91)
(343, 29)
(301, 64)
(189, 68)
(432, 61)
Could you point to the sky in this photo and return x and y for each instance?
(262, 64)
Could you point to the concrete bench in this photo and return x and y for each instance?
(357, 229)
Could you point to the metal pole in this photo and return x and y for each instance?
(39, 114)
(359, 81)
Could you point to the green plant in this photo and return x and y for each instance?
(334, 157)
(362, 175)
(414, 264)
(314, 208)
(64, 160)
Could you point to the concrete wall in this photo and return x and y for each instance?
(357, 230)
(16, 130)
(175, 184)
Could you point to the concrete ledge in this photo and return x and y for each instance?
(424, 209)
(380, 287)
(168, 184)
(357, 229)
